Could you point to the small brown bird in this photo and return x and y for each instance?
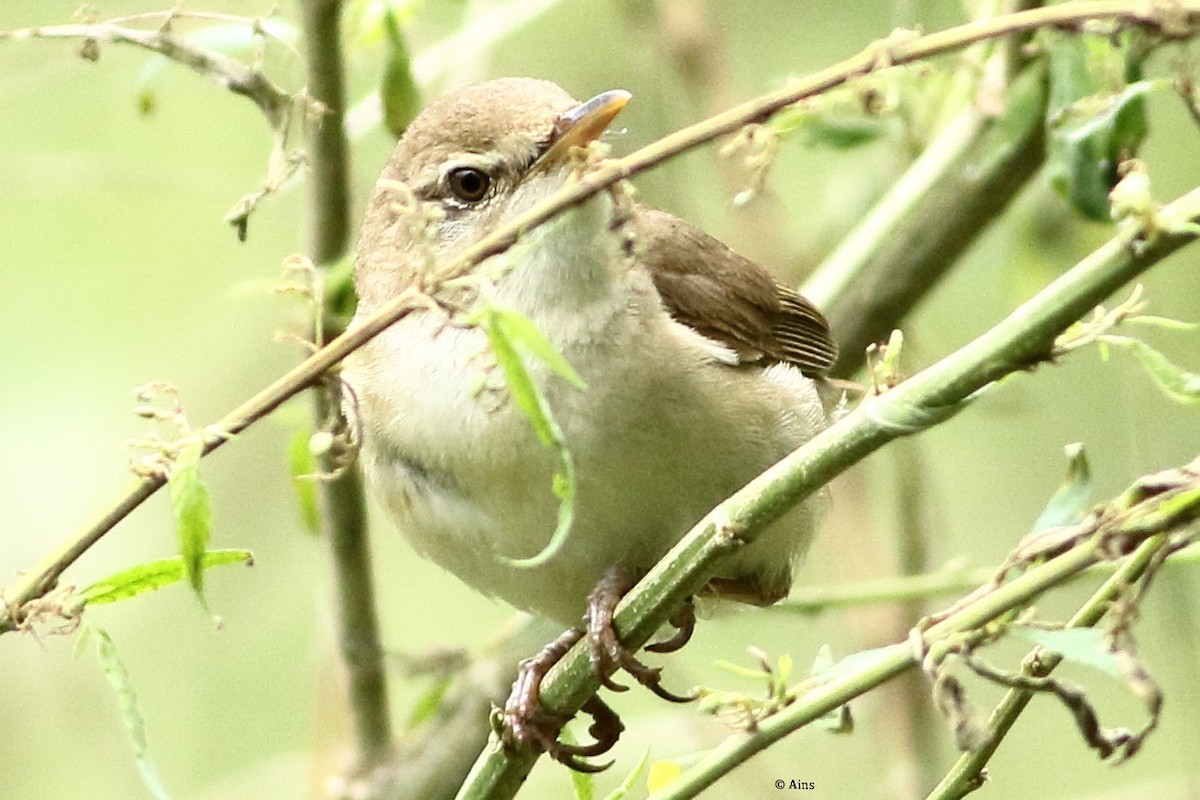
(698, 368)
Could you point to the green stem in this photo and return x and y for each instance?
(34, 583)
(1017, 343)
(967, 773)
(963, 180)
(906, 588)
(344, 516)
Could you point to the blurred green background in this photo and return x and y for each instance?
(116, 269)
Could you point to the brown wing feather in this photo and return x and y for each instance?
(729, 298)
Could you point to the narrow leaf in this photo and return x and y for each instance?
(1071, 500)
(836, 720)
(752, 673)
(365, 18)
(399, 93)
(1070, 78)
(1175, 382)
(303, 466)
(1082, 645)
(1088, 144)
(512, 338)
(192, 508)
(1092, 123)
(840, 131)
(623, 791)
(429, 702)
(861, 660)
(131, 715)
(1166, 323)
(529, 338)
(517, 378)
(583, 784)
(155, 575)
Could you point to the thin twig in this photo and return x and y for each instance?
(273, 101)
(890, 661)
(928, 398)
(44, 575)
(906, 588)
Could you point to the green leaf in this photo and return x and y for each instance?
(1073, 496)
(839, 131)
(752, 673)
(1081, 645)
(513, 338)
(517, 378)
(532, 342)
(192, 508)
(1095, 116)
(1089, 142)
(837, 720)
(840, 121)
(1175, 382)
(303, 466)
(131, 715)
(1070, 78)
(365, 18)
(583, 784)
(863, 659)
(155, 575)
(429, 701)
(400, 95)
(1166, 323)
(622, 791)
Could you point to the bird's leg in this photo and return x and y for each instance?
(607, 652)
(526, 722)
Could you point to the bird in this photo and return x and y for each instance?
(697, 370)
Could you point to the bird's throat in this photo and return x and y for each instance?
(571, 265)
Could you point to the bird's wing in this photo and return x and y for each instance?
(729, 298)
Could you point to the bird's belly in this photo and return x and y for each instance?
(468, 483)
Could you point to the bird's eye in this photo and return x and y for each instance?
(468, 184)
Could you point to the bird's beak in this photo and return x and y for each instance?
(582, 125)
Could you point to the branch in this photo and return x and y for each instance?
(812, 600)
(1171, 20)
(1017, 343)
(344, 504)
(329, 195)
(222, 70)
(963, 180)
(1175, 508)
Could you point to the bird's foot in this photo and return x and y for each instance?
(526, 722)
(607, 652)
